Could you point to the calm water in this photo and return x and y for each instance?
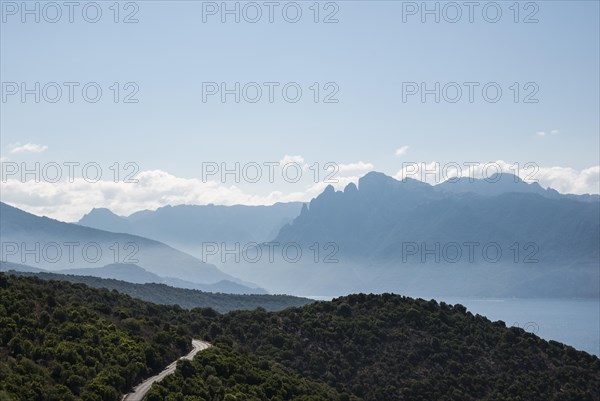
(573, 322)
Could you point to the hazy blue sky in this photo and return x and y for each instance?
(368, 54)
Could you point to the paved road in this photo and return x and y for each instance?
(139, 392)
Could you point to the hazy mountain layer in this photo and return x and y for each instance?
(414, 238)
(187, 227)
(51, 244)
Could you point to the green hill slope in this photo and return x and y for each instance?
(388, 347)
(223, 374)
(186, 298)
(64, 341)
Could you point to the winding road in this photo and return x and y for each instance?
(139, 391)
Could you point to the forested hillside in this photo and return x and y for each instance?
(61, 341)
(223, 374)
(388, 347)
(186, 298)
(64, 341)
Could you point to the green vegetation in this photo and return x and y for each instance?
(64, 341)
(222, 374)
(60, 341)
(388, 347)
(189, 299)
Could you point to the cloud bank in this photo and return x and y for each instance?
(69, 201)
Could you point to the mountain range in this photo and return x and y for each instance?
(187, 227)
(506, 238)
(498, 184)
(136, 275)
(49, 244)
(467, 237)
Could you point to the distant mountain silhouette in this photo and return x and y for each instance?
(387, 232)
(118, 271)
(134, 274)
(18, 267)
(104, 219)
(503, 183)
(187, 227)
(380, 235)
(382, 212)
(137, 275)
(223, 286)
(35, 241)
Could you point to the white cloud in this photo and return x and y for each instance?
(27, 148)
(291, 159)
(563, 179)
(402, 150)
(69, 201)
(355, 167)
(569, 180)
(327, 167)
(544, 133)
(292, 162)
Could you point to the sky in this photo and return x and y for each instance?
(378, 85)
